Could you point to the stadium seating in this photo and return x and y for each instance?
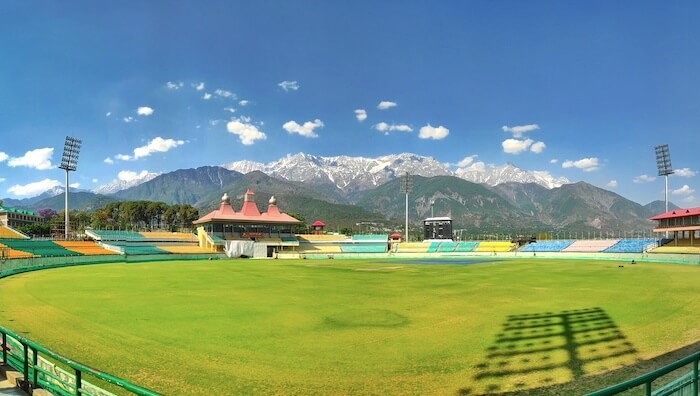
(183, 249)
(466, 246)
(13, 254)
(169, 236)
(590, 245)
(115, 235)
(371, 237)
(677, 249)
(495, 246)
(137, 248)
(319, 248)
(631, 246)
(363, 248)
(38, 248)
(547, 246)
(87, 248)
(412, 247)
(320, 238)
(9, 233)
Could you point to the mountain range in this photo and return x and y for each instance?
(344, 191)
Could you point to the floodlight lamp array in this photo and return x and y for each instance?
(71, 151)
(663, 160)
(406, 183)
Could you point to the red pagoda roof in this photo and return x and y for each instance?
(318, 223)
(672, 214)
(249, 213)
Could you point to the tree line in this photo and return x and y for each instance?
(123, 215)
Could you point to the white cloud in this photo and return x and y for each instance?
(386, 128)
(144, 111)
(431, 132)
(515, 146)
(684, 172)
(644, 179)
(306, 130)
(246, 132)
(518, 131)
(611, 184)
(2, 179)
(243, 102)
(74, 185)
(225, 94)
(685, 190)
(230, 109)
(109, 113)
(287, 85)
(129, 119)
(108, 161)
(95, 180)
(215, 122)
(688, 199)
(199, 87)
(33, 189)
(156, 145)
(206, 96)
(126, 175)
(360, 114)
(538, 147)
(467, 161)
(553, 161)
(585, 164)
(3, 156)
(38, 159)
(174, 85)
(385, 104)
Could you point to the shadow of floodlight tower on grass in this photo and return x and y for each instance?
(535, 350)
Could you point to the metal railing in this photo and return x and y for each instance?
(65, 377)
(647, 379)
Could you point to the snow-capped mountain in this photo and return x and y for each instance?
(123, 184)
(359, 173)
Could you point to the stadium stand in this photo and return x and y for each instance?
(169, 236)
(371, 237)
(590, 245)
(363, 248)
(38, 248)
(10, 233)
(87, 248)
(495, 246)
(412, 247)
(632, 246)
(114, 235)
(320, 238)
(677, 249)
(184, 249)
(547, 246)
(318, 248)
(135, 248)
(13, 254)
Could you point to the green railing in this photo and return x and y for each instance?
(64, 377)
(647, 379)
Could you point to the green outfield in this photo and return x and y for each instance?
(357, 326)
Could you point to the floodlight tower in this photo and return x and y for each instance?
(406, 188)
(69, 163)
(663, 164)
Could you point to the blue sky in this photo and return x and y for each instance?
(583, 90)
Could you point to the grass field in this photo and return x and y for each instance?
(356, 327)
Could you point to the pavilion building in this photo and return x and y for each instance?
(683, 224)
(248, 232)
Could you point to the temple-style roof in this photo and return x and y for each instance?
(672, 214)
(249, 213)
(318, 223)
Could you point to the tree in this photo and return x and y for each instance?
(46, 213)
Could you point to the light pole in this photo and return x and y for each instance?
(69, 163)
(406, 188)
(432, 205)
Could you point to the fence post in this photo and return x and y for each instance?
(78, 382)
(695, 377)
(25, 385)
(4, 347)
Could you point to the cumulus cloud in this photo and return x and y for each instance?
(157, 145)
(467, 161)
(306, 130)
(38, 159)
(385, 104)
(644, 179)
(518, 131)
(144, 111)
(688, 199)
(107, 114)
(33, 189)
(516, 146)
(225, 94)
(3, 156)
(199, 86)
(386, 128)
(243, 102)
(74, 185)
(129, 119)
(287, 85)
(230, 109)
(684, 172)
(611, 184)
(95, 180)
(553, 161)
(431, 132)
(174, 85)
(585, 164)
(108, 161)
(2, 179)
(246, 132)
(206, 96)
(537, 147)
(360, 114)
(685, 190)
(128, 176)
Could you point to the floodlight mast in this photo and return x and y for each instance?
(406, 188)
(69, 163)
(663, 164)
